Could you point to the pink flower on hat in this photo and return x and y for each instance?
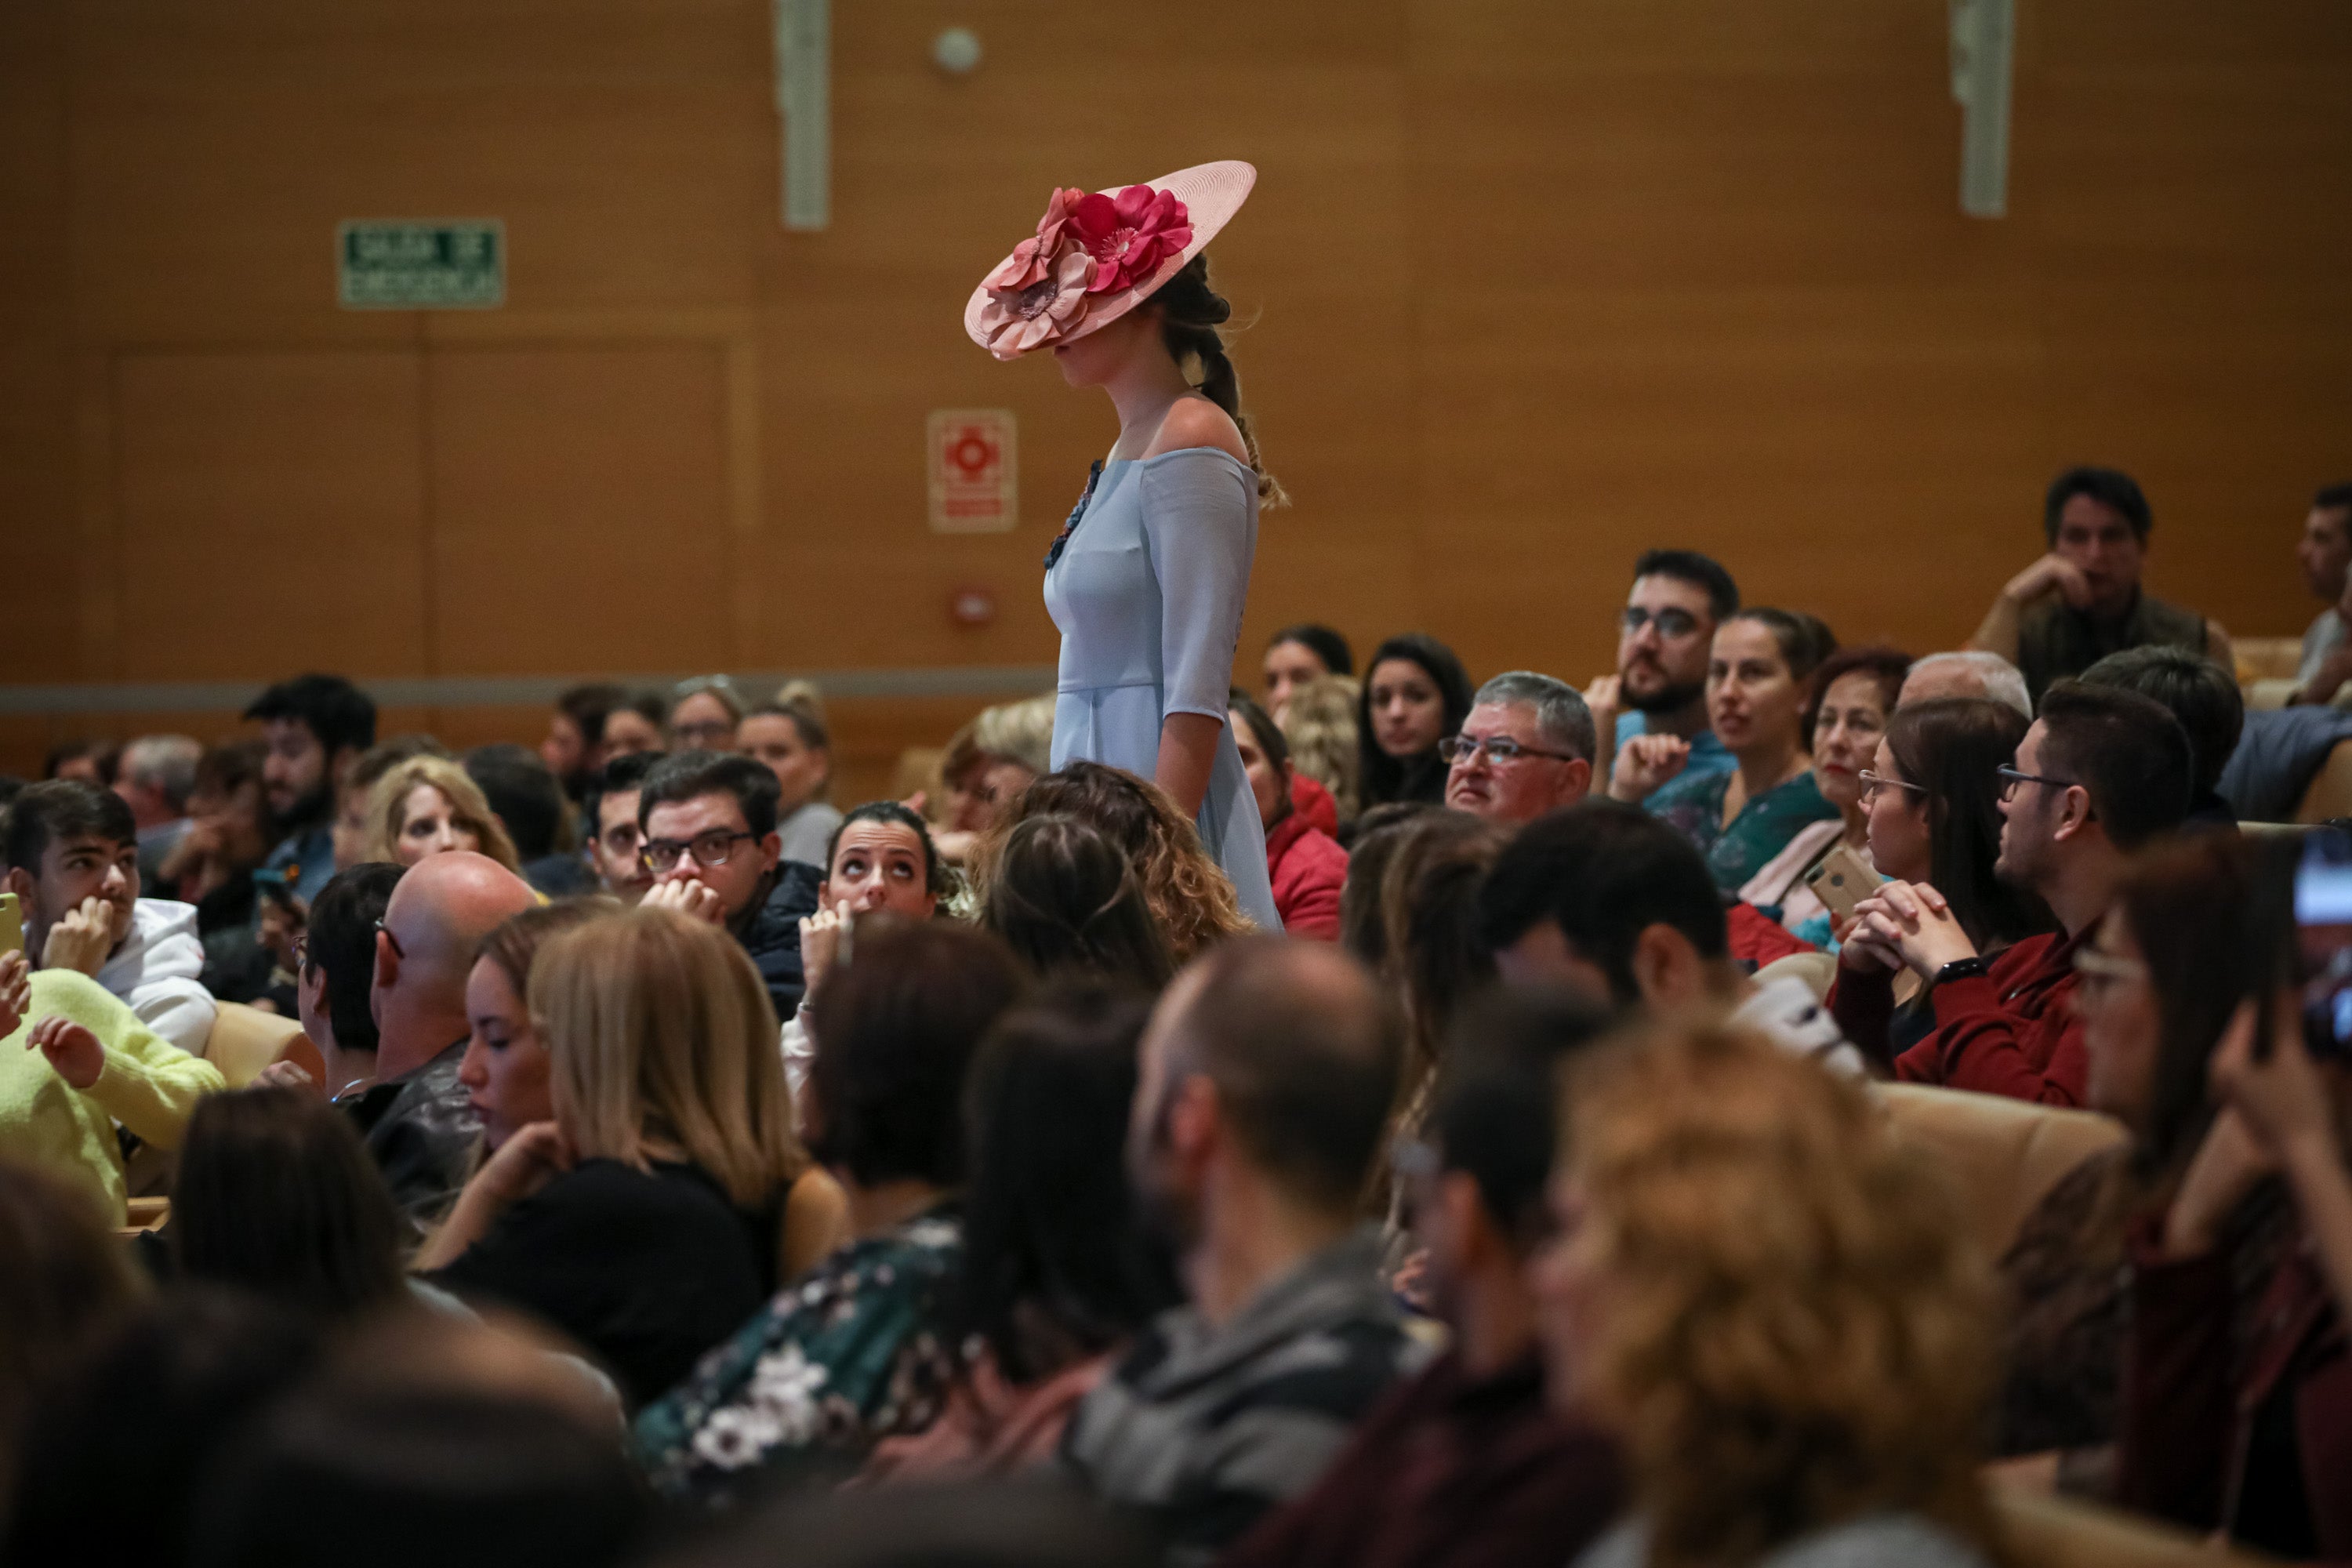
(1034, 258)
(1016, 320)
(1128, 236)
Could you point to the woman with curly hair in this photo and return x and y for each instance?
(1190, 896)
(1777, 1307)
(427, 804)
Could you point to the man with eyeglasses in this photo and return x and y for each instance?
(710, 846)
(1663, 637)
(2101, 774)
(611, 810)
(420, 1121)
(1524, 749)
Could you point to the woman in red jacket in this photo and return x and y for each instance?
(1306, 864)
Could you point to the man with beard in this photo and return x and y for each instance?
(2101, 774)
(1663, 637)
(1267, 1079)
(317, 726)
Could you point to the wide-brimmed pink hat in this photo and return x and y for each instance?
(1094, 258)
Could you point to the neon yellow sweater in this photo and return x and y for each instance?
(146, 1085)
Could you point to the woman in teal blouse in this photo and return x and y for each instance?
(1757, 681)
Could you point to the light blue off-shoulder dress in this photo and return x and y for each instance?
(1147, 586)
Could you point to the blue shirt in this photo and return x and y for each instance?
(310, 857)
(1709, 755)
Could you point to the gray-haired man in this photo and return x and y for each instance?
(1526, 749)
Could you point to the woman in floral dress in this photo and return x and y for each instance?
(858, 1350)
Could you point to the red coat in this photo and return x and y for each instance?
(1310, 800)
(2011, 1032)
(1308, 868)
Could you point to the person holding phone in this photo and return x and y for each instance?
(2100, 774)
(1931, 805)
(2237, 1409)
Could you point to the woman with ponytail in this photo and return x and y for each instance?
(1149, 577)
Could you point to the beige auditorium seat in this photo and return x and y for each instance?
(244, 1040)
(2329, 794)
(2046, 1531)
(2006, 1153)
(1817, 970)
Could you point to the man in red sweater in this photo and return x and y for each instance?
(2099, 775)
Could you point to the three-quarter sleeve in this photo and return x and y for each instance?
(1199, 523)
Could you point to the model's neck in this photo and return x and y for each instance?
(346, 1070)
(1252, 1235)
(1143, 391)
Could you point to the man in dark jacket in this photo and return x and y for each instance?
(708, 821)
(418, 1119)
(1466, 1465)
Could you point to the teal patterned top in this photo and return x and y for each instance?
(1694, 807)
(853, 1352)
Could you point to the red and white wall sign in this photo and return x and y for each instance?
(972, 470)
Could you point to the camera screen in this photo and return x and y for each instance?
(2323, 918)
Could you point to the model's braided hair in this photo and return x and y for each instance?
(1190, 311)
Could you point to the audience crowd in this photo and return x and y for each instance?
(627, 1153)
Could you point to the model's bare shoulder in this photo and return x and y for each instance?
(1198, 421)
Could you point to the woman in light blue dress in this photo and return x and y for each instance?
(1150, 576)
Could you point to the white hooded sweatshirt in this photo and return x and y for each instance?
(155, 971)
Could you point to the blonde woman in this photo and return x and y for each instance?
(669, 1193)
(1776, 1307)
(1319, 723)
(427, 804)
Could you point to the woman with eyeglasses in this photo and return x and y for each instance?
(1757, 687)
(2158, 985)
(1931, 808)
(1854, 694)
(703, 714)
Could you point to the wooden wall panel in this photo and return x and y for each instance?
(1531, 286)
(580, 510)
(272, 514)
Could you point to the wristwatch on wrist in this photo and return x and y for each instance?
(1960, 968)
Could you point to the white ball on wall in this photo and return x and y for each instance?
(956, 50)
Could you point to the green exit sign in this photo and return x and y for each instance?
(404, 266)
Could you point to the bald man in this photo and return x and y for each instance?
(1266, 1076)
(418, 1119)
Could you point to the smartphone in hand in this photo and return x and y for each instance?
(12, 924)
(1842, 879)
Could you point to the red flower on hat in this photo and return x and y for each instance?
(1034, 258)
(1129, 235)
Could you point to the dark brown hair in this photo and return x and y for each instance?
(1887, 666)
(1190, 311)
(276, 1194)
(66, 1284)
(1949, 746)
(2187, 902)
(896, 1031)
